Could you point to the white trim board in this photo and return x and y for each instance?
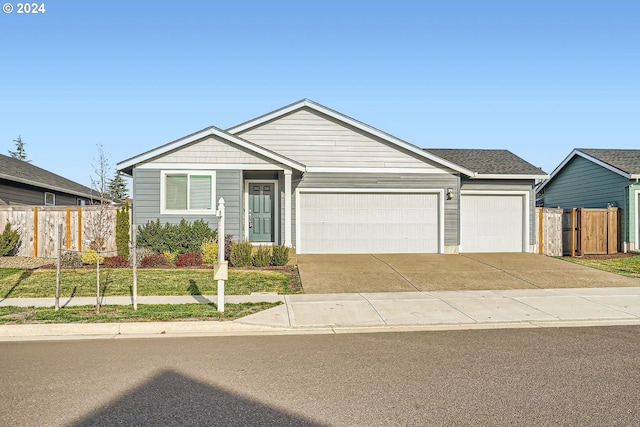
(439, 191)
(636, 196)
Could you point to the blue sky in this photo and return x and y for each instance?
(538, 78)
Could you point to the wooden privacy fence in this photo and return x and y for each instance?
(549, 231)
(589, 231)
(38, 227)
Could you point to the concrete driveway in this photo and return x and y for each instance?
(323, 274)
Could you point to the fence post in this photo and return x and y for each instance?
(58, 266)
(540, 231)
(35, 231)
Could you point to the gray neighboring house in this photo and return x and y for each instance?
(598, 178)
(22, 183)
(309, 177)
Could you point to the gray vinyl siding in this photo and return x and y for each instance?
(508, 185)
(146, 194)
(584, 184)
(391, 182)
(316, 140)
(13, 193)
(211, 151)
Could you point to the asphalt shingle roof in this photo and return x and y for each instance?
(626, 160)
(21, 171)
(494, 162)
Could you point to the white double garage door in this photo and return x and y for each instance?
(377, 221)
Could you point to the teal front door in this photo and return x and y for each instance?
(261, 203)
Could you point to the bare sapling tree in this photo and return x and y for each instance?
(100, 224)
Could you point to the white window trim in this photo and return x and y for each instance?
(439, 191)
(163, 180)
(45, 198)
(636, 196)
(526, 207)
(276, 209)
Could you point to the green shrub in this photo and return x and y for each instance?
(209, 251)
(240, 255)
(262, 257)
(122, 230)
(280, 255)
(8, 240)
(90, 256)
(70, 260)
(180, 238)
(190, 259)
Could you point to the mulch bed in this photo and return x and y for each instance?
(25, 262)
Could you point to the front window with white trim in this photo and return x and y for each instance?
(187, 192)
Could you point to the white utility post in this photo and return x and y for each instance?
(220, 270)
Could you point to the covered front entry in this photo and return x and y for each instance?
(493, 222)
(261, 211)
(360, 221)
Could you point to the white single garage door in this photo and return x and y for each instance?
(491, 223)
(355, 223)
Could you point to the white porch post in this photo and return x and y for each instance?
(287, 208)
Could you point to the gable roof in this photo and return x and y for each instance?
(126, 165)
(23, 172)
(624, 162)
(307, 103)
(490, 163)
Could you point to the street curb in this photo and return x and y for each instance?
(70, 331)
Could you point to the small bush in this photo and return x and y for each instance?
(116, 261)
(170, 256)
(153, 260)
(90, 256)
(262, 257)
(190, 259)
(240, 255)
(8, 240)
(209, 251)
(70, 260)
(140, 254)
(280, 255)
(228, 241)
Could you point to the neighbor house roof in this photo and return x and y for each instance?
(311, 105)
(24, 172)
(624, 162)
(490, 163)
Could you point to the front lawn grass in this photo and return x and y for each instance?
(125, 313)
(22, 283)
(628, 266)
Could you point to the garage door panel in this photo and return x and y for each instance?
(368, 223)
(491, 223)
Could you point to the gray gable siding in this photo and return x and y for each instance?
(321, 141)
(507, 185)
(391, 182)
(211, 151)
(582, 183)
(146, 193)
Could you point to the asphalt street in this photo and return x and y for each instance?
(510, 377)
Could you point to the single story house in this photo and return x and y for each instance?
(599, 178)
(22, 183)
(312, 178)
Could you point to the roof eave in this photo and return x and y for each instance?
(130, 163)
(510, 176)
(45, 186)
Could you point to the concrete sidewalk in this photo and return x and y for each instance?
(366, 312)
